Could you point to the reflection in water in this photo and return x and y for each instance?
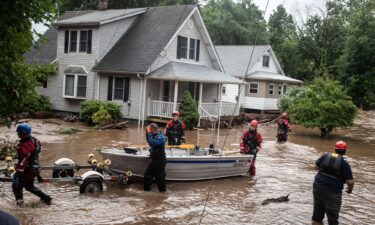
(281, 169)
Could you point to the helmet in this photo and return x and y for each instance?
(24, 128)
(253, 123)
(284, 114)
(176, 113)
(340, 145)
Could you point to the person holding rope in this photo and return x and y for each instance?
(333, 173)
(251, 142)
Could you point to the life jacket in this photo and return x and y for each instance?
(175, 130)
(251, 142)
(34, 158)
(282, 125)
(331, 166)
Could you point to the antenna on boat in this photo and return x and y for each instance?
(234, 111)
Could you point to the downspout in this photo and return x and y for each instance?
(140, 100)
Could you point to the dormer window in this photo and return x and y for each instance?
(184, 44)
(72, 44)
(266, 61)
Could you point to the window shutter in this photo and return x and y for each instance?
(197, 51)
(66, 42)
(126, 89)
(110, 88)
(178, 47)
(89, 41)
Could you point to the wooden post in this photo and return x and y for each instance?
(175, 95)
(144, 102)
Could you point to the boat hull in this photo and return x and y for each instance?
(182, 168)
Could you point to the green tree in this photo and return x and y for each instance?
(357, 64)
(101, 116)
(234, 23)
(18, 81)
(323, 104)
(188, 110)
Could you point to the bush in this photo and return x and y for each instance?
(89, 107)
(323, 104)
(68, 130)
(188, 110)
(101, 116)
(37, 103)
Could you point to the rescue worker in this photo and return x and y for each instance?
(334, 171)
(156, 167)
(175, 130)
(251, 142)
(283, 128)
(27, 167)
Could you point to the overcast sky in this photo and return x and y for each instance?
(300, 9)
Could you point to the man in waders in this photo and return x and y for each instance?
(334, 171)
(28, 166)
(175, 130)
(283, 127)
(251, 142)
(156, 167)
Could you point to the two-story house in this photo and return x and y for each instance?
(265, 80)
(142, 59)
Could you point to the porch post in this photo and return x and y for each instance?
(175, 95)
(200, 102)
(144, 101)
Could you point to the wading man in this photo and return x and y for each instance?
(251, 142)
(334, 171)
(156, 167)
(175, 130)
(283, 127)
(27, 167)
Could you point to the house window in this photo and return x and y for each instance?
(83, 41)
(271, 89)
(184, 44)
(280, 91)
(75, 85)
(223, 90)
(253, 88)
(118, 88)
(266, 60)
(285, 86)
(71, 43)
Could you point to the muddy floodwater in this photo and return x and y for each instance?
(281, 169)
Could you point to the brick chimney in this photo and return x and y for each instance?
(102, 4)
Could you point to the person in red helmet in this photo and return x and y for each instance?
(175, 130)
(333, 173)
(251, 142)
(283, 127)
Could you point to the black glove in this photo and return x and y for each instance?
(348, 190)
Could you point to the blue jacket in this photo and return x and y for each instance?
(157, 144)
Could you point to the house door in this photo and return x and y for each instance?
(194, 90)
(166, 91)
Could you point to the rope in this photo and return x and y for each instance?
(231, 121)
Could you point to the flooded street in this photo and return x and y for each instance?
(281, 169)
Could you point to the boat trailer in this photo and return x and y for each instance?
(66, 170)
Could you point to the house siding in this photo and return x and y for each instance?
(110, 33)
(170, 53)
(55, 87)
(210, 92)
(231, 92)
(258, 66)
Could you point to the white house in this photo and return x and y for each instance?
(265, 80)
(142, 59)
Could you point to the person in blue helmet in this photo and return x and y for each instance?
(27, 167)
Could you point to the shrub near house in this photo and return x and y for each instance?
(188, 110)
(89, 107)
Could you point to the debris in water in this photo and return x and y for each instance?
(280, 199)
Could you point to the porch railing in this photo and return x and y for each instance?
(165, 109)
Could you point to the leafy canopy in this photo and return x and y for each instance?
(323, 104)
(188, 110)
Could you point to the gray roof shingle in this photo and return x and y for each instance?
(140, 46)
(235, 58)
(187, 72)
(45, 49)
